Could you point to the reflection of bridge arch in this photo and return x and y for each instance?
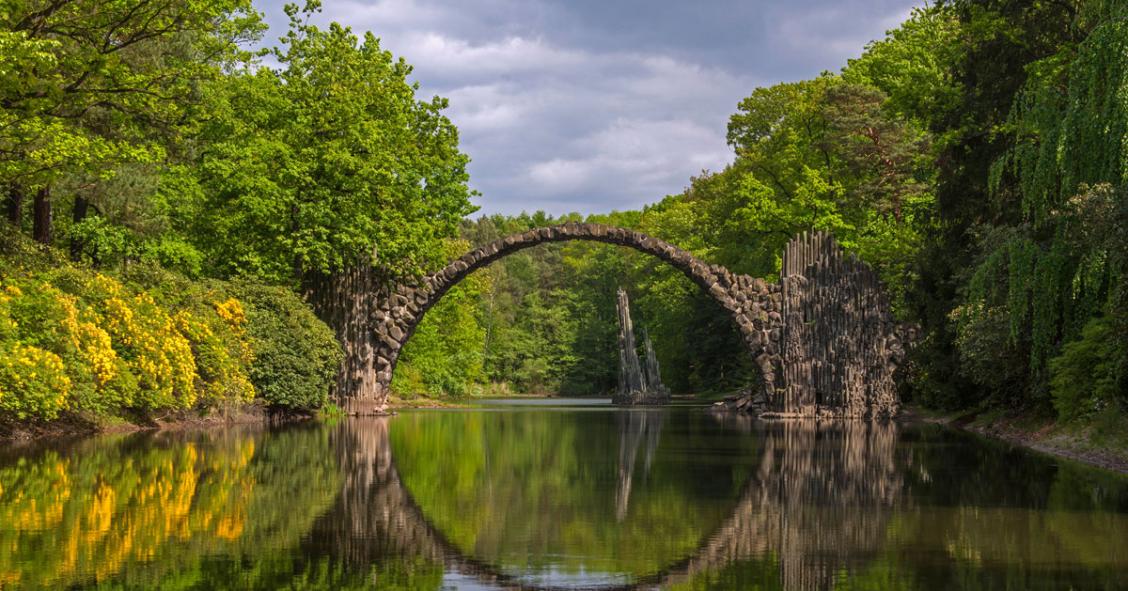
(811, 503)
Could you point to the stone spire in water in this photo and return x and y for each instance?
(630, 370)
(635, 387)
(652, 376)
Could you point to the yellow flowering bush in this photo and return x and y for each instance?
(38, 327)
(80, 341)
(117, 349)
(32, 382)
(150, 342)
(222, 363)
(231, 311)
(8, 326)
(38, 314)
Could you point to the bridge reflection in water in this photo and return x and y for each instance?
(818, 503)
(540, 499)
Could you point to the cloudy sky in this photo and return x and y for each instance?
(595, 105)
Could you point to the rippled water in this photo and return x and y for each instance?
(558, 494)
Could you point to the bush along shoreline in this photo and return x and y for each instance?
(84, 350)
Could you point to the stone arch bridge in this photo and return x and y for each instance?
(822, 336)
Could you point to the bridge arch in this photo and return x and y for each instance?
(823, 336)
(747, 300)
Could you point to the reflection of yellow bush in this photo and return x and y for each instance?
(33, 495)
(99, 526)
(101, 513)
(112, 506)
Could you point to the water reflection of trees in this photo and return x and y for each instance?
(142, 509)
(838, 504)
(536, 491)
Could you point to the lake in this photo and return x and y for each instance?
(557, 494)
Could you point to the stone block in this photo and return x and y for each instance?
(753, 339)
(389, 342)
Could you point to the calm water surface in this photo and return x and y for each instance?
(558, 494)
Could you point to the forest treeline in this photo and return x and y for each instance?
(975, 156)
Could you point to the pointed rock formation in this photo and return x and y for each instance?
(636, 387)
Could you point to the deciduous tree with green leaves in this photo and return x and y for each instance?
(89, 85)
(322, 167)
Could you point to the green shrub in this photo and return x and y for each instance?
(33, 383)
(150, 339)
(1085, 379)
(296, 354)
(988, 355)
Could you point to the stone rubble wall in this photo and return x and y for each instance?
(838, 345)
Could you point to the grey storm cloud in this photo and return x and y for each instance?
(597, 105)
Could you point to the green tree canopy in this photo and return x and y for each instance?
(325, 159)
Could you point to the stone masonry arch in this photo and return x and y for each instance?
(406, 304)
(842, 368)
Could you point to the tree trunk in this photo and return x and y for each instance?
(81, 208)
(346, 301)
(15, 204)
(41, 231)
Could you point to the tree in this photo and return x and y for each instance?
(1031, 142)
(914, 65)
(86, 84)
(313, 172)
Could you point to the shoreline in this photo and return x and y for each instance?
(1045, 436)
(73, 426)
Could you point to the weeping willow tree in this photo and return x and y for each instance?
(1044, 317)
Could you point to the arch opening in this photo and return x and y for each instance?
(396, 324)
